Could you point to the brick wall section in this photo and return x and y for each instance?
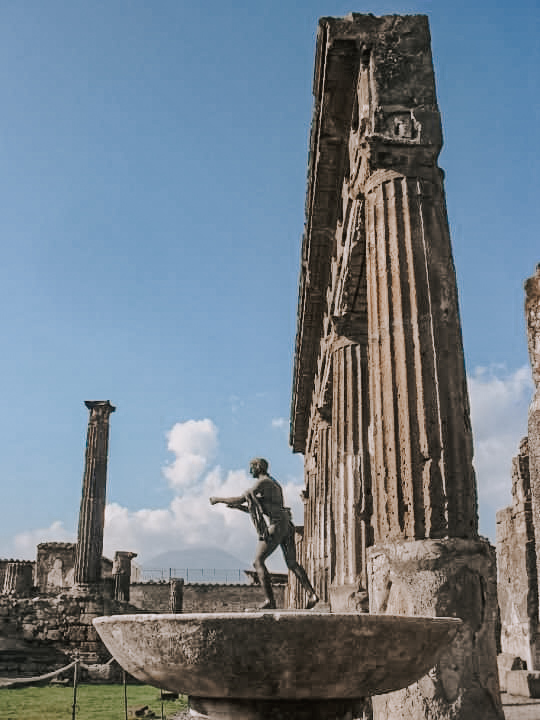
(202, 597)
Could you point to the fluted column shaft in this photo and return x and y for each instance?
(351, 470)
(92, 512)
(424, 484)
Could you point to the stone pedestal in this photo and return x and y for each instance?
(448, 577)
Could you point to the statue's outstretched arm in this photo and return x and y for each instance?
(238, 503)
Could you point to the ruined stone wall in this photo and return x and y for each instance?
(517, 587)
(203, 597)
(41, 634)
(55, 566)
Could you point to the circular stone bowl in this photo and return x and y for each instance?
(279, 654)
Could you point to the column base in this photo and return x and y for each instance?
(349, 597)
(232, 709)
(450, 577)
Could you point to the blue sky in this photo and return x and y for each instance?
(153, 166)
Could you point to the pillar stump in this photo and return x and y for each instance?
(176, 595)
(449, 577)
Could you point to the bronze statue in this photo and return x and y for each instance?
(265, 500)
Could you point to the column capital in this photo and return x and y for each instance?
(100, 408)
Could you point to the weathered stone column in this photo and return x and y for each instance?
(427, 558)
(176, 595)
(19, 578)
(121, 574)
(92, 512)
(425, 484)
(532, 315)
(351, 481)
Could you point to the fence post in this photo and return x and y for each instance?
(124, 680)
(74, 706)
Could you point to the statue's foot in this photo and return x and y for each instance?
(268, 605)
(313, 600)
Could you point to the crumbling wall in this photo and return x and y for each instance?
(517, 587)
(41, 634)
(203, 597)
(55, 566)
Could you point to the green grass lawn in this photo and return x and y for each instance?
(94, 702)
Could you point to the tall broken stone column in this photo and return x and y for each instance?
(377, 282)
(427, 558)
(92, 512)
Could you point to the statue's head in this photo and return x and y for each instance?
(258, 466)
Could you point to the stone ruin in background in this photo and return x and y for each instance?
(518, 534)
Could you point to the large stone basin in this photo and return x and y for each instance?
(276, 655)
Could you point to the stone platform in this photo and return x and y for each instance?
(520, 708)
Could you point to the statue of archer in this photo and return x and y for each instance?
(265, 500)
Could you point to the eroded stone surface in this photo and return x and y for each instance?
(517, 584)
(276, 655)
(445, 577)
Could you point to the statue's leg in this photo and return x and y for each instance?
(264, 549)
(289, 553)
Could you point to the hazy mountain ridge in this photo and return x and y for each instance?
(194, 558)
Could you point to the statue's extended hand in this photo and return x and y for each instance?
(214, 500)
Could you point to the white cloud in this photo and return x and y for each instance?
(24, 544)
(499, 404)
(280, 423)
(194, 444)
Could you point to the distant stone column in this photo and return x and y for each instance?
(19, 578)
(121, 574)
(532, 314)
(176, 595)
(92, 512)
(351, 476)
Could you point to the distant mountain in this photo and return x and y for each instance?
(195, 558)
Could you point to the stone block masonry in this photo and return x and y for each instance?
(203, 597)
(41, 634)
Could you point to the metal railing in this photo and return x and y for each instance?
(194, 575)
